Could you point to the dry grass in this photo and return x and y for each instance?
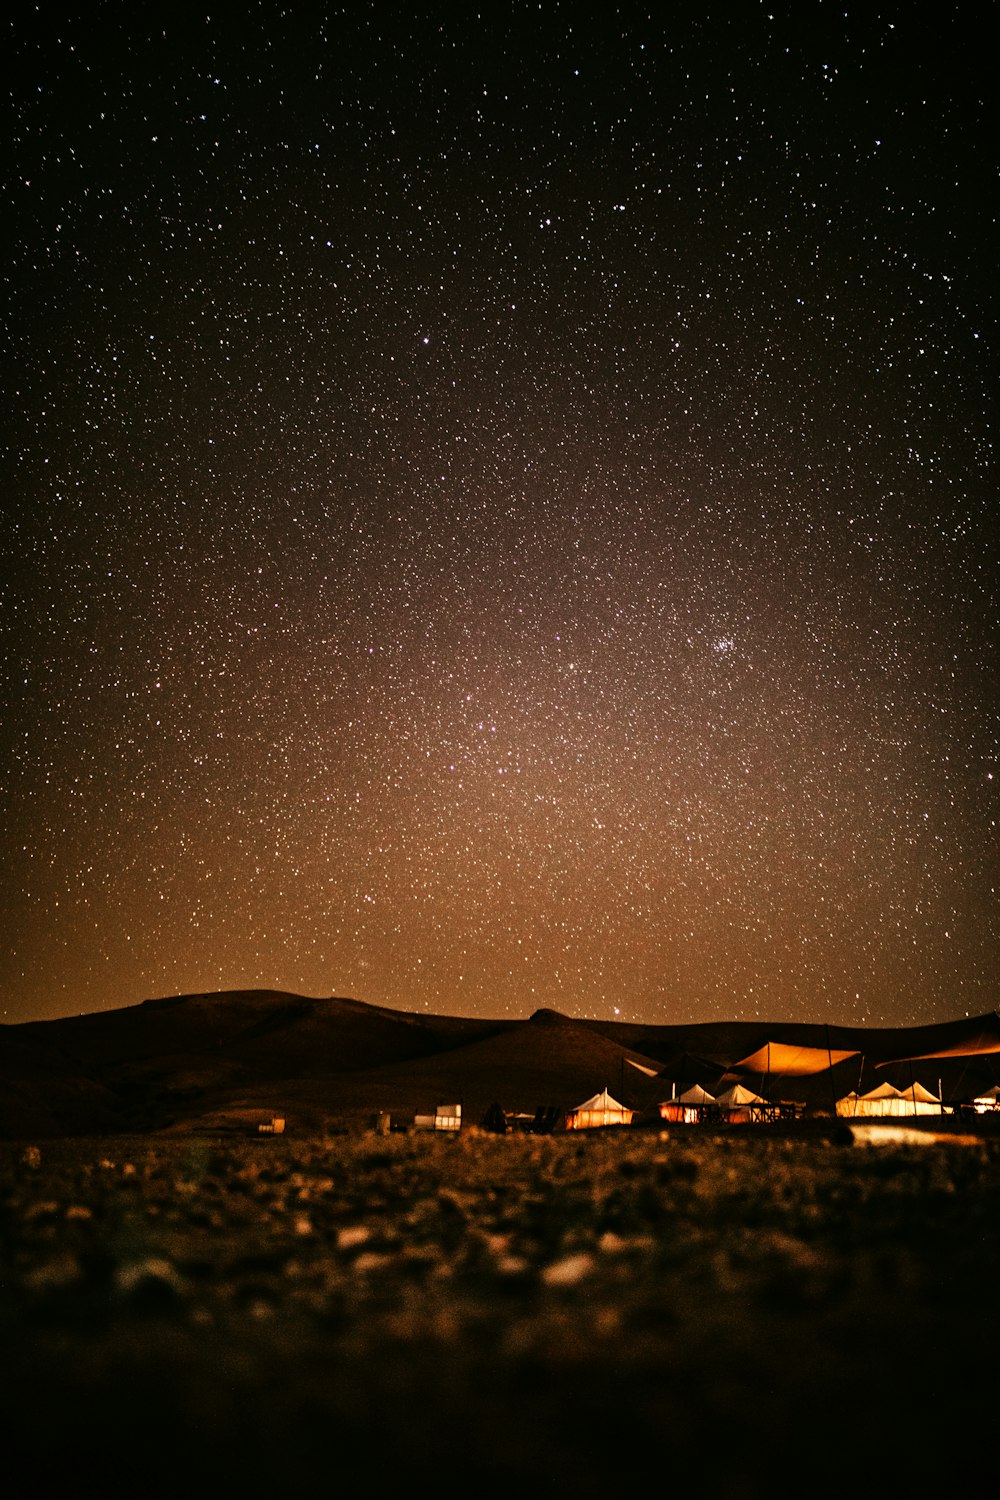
(490, 1316)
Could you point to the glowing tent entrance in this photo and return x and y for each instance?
(600, 1110)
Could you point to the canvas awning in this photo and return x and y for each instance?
(785, 1060)
(978, 1037)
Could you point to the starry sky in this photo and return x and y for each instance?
(498, 509)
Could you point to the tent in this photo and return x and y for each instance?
(688, 1108)
(738, 1097)
(886, 1101)
(883, 1100)
(738, 1105)
(696, 1095)
(923, 1101)
(987, 1101)
(600, 1110)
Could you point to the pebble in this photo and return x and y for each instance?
(569, 1270)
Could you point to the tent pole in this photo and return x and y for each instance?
(829, 1063)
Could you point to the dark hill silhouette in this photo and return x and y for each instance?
(349, 1033)
(548, 1059)
(44, 1093)
(178, 1059)
(140, 1066)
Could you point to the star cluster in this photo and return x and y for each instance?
(499, 510)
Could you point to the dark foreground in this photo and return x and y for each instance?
(498, 1317)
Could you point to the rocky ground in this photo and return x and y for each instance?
(489, 1315)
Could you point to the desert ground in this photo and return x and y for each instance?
(629, 1311)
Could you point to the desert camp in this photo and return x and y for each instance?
(205, 1061)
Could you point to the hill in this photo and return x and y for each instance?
(181, 1060)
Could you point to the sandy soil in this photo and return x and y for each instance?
(490, 1316)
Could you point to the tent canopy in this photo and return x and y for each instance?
(649, 1072)
(788, 1061)
(976, 1038)
(688, 1068)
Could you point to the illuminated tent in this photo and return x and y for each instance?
(784, 1060)
(689, 1107)
(886, 1101)
(696, 1095)
(987, 1101)
(738, 1097)
(600, 1110)
(740, 1104)
(883, 1100)
(922, 1099)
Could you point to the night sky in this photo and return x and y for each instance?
(498, 509)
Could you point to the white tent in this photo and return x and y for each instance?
(738, 1097)
(688, 1108)
(916, 1094)
(696, 1095)
(600, 1110)
(739, 1105)
(885, 1101)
